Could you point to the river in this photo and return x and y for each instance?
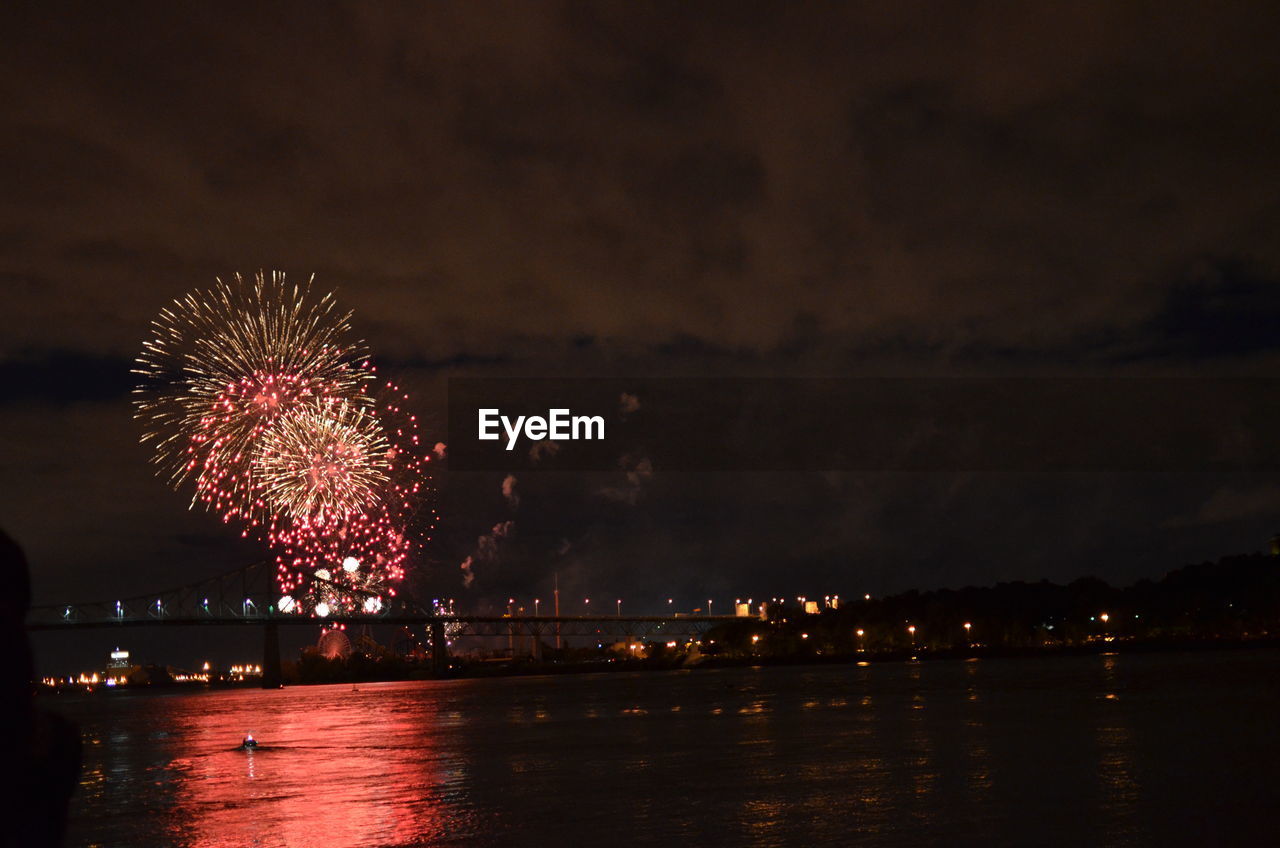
(1102, 750)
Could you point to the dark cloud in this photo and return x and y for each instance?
(1224, 309)
(626, 175)
(62, 377)
(1234, 503)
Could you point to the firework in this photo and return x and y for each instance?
(224, 365)
(364, 552)
(254, 393)
(322, 461)
(327, 594)
(342, 561)
(452, 629)
(406, 493)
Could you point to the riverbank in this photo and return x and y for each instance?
(527, 667)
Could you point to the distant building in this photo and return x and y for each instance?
(742, 610)
(240, 672)
(118, 663)
(811, 607)
(1275, 545)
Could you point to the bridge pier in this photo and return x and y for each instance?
(271, 676)
(439, 649)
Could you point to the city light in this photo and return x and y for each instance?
(775, 621)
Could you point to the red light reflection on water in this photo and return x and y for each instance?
(334, 767)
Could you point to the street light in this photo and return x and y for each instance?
(911, 628)
(619, 607)
(511, 630)
(708, 606)
(536, 601)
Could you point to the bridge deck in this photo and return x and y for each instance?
(397, 619)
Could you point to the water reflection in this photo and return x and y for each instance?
(978, 782)
(1001, 751)
(1117, 776)
(332, 766)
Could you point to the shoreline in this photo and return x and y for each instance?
(518, 668)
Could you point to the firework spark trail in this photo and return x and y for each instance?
(224, 364)
(322, 460)
(377, 546)
(345, 589)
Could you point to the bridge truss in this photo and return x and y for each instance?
(248, 596)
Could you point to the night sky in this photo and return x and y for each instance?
(734, 190)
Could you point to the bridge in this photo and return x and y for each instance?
(247, 597)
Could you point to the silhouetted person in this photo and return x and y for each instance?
(41, 752)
